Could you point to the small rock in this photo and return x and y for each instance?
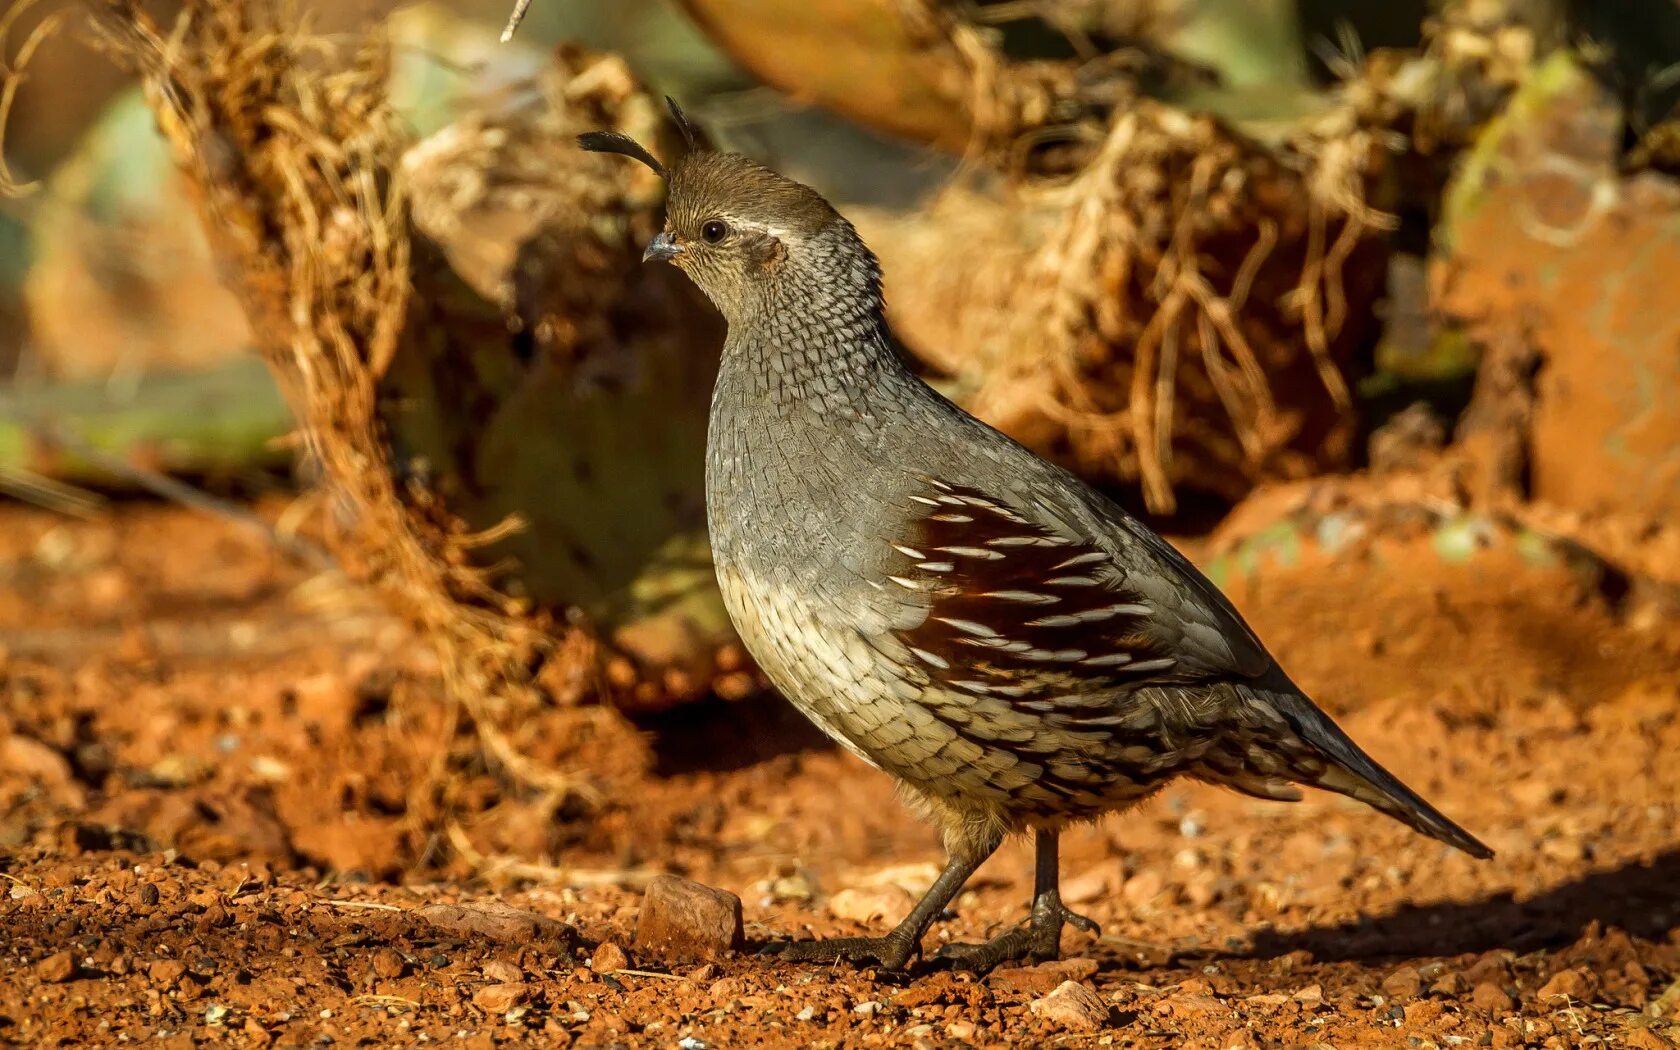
(1144, 887)
(686, 919)
(149, 893)
(326, 700)
(388, 962)
(963, 1030)
(500, 922)
(1094, 883)
(1492, 998)
(1450, 986)
(703, 973)
(1311, 995)
(1073, 1006)
(1423, 1013)
(1492, 967)
(809, 1013)
(166, 971)
(1404, 983)
(1564, 850)
(609, 958)
(798, 886)
(1574, 983)
(871, 906)
(1645, 1039)
(1267, 999)
(500, 998)
(42, 766)
(1042, 978)
(500, 971)
(868, 1008)
(57, 968)
(1534, 793)
(1189, 1003)
(1203, 890)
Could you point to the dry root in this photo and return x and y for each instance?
(296, 158)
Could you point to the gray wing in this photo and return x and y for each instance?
(1036, 600)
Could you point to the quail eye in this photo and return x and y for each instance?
(714, 231)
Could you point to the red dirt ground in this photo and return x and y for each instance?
(223, 800)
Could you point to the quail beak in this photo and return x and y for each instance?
(663, 248)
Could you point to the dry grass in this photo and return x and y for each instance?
(295, 156)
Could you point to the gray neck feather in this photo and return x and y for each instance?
(816, 332)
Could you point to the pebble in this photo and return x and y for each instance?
(871, 906)
(1144, 887)
(388, 962)
(1574, 983)
(503, 923)
(1492, 998)
(57, 968)
(1450, 986)
(1404, 983)
(685, 919)
(1094, 883)
(1073, 1006)
(609, 958)
(1043, 977)
(500, 971)
(500, 998)
(1189, 1004)
(166, 971)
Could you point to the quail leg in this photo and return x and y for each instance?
(1040, 940)
(895, 949)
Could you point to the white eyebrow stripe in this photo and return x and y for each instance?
(757, 227)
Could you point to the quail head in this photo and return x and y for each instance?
(1013, 647)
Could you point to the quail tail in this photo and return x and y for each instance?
(1353, 773)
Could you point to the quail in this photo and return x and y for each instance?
(1010, 645)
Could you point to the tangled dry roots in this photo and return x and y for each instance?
(1177, 313)
(294, 153)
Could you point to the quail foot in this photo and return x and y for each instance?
(1011, 646)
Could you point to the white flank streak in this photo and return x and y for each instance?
(1110, 660)
(1083, 559)
(924, 499)
(957, 518)
(909, 552)
(968, 626)
(1030, 597)
(937, 566)
(1090, 615)
(1074, 581)
(972, 552)
(1160, 664)
(909, 585)
(930, 658)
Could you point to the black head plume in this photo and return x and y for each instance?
(623, 145)
(681, 118)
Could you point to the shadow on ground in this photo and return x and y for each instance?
(1640, 898)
